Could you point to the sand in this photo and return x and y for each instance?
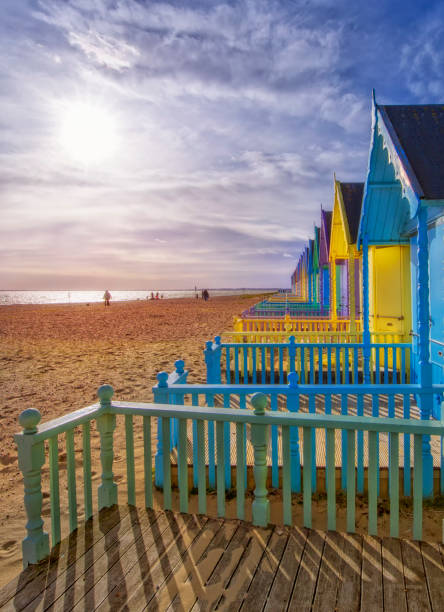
(55, 357)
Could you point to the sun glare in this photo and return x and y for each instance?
(88, 133)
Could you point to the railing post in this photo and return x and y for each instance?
(333, 291)
(209, 361)
(259, 438)
(365, 311)
(217, 350)
(425, 366)
(351, 291)
(161, 394)
(291, 354)
(31, 457)
(180, 367)
(293, 406)
(106, 424)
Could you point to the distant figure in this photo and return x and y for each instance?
(205, 295)
(161, 296)
(157, 295)
(197, 296)
(107, 296)
(152, 295)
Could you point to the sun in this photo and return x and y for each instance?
(88, 132)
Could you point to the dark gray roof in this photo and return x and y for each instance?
(420, 130)
(327, 214)
(352, 197)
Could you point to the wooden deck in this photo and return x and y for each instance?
(133, 559)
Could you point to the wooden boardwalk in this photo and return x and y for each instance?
(133, 559)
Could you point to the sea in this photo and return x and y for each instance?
(7, 298)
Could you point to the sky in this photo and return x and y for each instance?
(167, 144)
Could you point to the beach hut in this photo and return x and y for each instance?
(316, 269)
(403, 205)
(324, 250)
(403, 212)
(343, 255)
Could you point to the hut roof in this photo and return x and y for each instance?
(420, 131)
(352, 198)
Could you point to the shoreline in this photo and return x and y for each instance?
(146, 299)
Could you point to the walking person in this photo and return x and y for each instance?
(107, 296)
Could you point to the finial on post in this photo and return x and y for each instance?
(293, 379)
(180, 366)
(29, 420)
(162, 379)
(216, 339)
(105, 394)
(259, 402)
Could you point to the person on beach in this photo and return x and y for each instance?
(205, 295)
(157, 295)
(107, 296)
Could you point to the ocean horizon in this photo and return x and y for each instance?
(24, 296)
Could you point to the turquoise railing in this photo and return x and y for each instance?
(179, 376)
(315, 363)
(31, 450)
(350, 400)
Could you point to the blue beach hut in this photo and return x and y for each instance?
(403, 210)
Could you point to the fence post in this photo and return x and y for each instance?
(31, 457)
(216, 360)
(293, 406)
(209, 361)
(366, 339)
(259, 438)
(161, 396)
(425, 365)
(180, 367)
(291, 354)
(106, 424)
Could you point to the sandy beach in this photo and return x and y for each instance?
(55, 357)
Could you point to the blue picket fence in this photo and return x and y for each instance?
(252, 363)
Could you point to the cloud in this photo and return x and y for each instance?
(105, 50)
(231, 116)
(422, 58)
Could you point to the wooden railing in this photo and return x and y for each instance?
(31, 449)
(392, 401)
(261, 362)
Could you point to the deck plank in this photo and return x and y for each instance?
(224, 569)
(257, 594)
(233, 594)
(349, 588)
(329, 574)
(414, 577)
(287, 570)
(372, 597)
(306, 581)
(434, 571)
(194, 587)
(174, 582)
(393, 576)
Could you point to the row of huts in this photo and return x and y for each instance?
(380, 251)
